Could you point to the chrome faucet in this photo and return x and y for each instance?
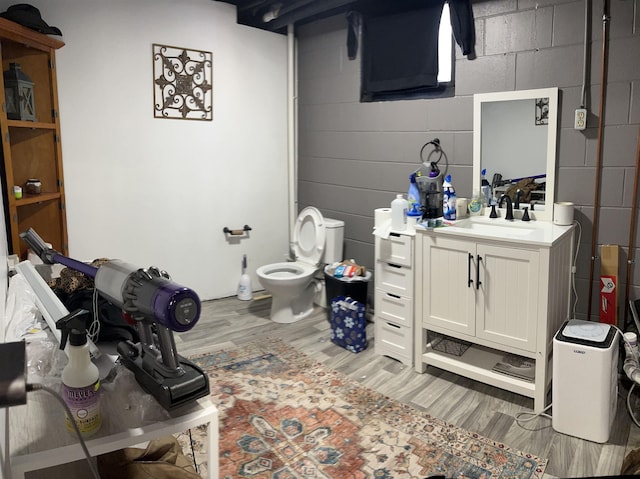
(509, 215)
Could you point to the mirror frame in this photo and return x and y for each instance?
(552, 133)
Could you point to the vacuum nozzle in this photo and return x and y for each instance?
(38, 246)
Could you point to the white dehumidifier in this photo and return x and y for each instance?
(585, 379)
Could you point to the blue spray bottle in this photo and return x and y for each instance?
(413, 196)
(449, 200)
(485, 188)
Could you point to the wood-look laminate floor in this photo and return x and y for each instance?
(486, 410)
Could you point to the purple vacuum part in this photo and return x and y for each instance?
(77, 265)
(176, 307)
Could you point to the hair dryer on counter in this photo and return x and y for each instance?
(158, 306)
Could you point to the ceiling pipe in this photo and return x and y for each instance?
(596, 199)
(292, 130)
(306, 11)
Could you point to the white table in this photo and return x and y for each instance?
(38, 438)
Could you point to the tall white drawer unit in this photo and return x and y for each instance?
(393, 303)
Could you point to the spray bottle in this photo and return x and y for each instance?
(485, 188)
(80, 377)
(244, 286)
(449, 200)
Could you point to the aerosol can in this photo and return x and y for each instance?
(244, 287)
(80, 377)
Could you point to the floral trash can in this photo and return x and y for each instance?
(348, 324)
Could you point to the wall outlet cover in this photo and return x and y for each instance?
(580, 122)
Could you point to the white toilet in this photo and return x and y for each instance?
(316, 241)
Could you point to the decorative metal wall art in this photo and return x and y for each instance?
(542, 111)
(182, 81)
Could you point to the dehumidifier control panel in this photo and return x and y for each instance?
(597, 335)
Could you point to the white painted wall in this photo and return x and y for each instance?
(157, 191)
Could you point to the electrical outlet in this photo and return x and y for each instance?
(580, 122)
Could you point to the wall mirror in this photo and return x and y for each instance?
(514, 139)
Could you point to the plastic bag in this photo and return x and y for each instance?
(24, 320)
(348, 324)
(162, 459)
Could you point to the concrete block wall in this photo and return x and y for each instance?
(354, 157)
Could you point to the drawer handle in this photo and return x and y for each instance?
(394, 265)
(397, 235)
(393, 295)
(393, 325)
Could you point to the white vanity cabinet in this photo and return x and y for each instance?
(393, 299)
(481, 290)
(502, 296)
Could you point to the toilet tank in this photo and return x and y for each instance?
(333, 248)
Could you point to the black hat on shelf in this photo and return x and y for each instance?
(29, 16)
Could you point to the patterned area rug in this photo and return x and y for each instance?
(284, 415)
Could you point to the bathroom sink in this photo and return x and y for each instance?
(498, 227)
(533, 232)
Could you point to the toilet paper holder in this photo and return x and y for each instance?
(236, 232)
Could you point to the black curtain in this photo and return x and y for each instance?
(399, 48)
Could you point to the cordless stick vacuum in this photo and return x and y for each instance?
(158, 306)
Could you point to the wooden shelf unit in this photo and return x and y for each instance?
(33, 149)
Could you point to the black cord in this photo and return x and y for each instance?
(35, 387)
(193, 452)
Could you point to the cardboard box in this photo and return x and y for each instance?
(609, 256)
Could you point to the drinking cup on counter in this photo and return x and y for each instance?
(17, 192)
(462, 207)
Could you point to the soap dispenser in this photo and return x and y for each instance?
(475, 204)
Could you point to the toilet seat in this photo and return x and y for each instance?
(309, 236)
(286, 269)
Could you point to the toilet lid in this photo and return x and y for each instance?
(309, 236)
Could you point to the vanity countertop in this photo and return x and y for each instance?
(537, 232)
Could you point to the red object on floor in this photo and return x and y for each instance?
(608, 301)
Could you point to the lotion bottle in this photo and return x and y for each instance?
(80, 377)
(399, 208)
